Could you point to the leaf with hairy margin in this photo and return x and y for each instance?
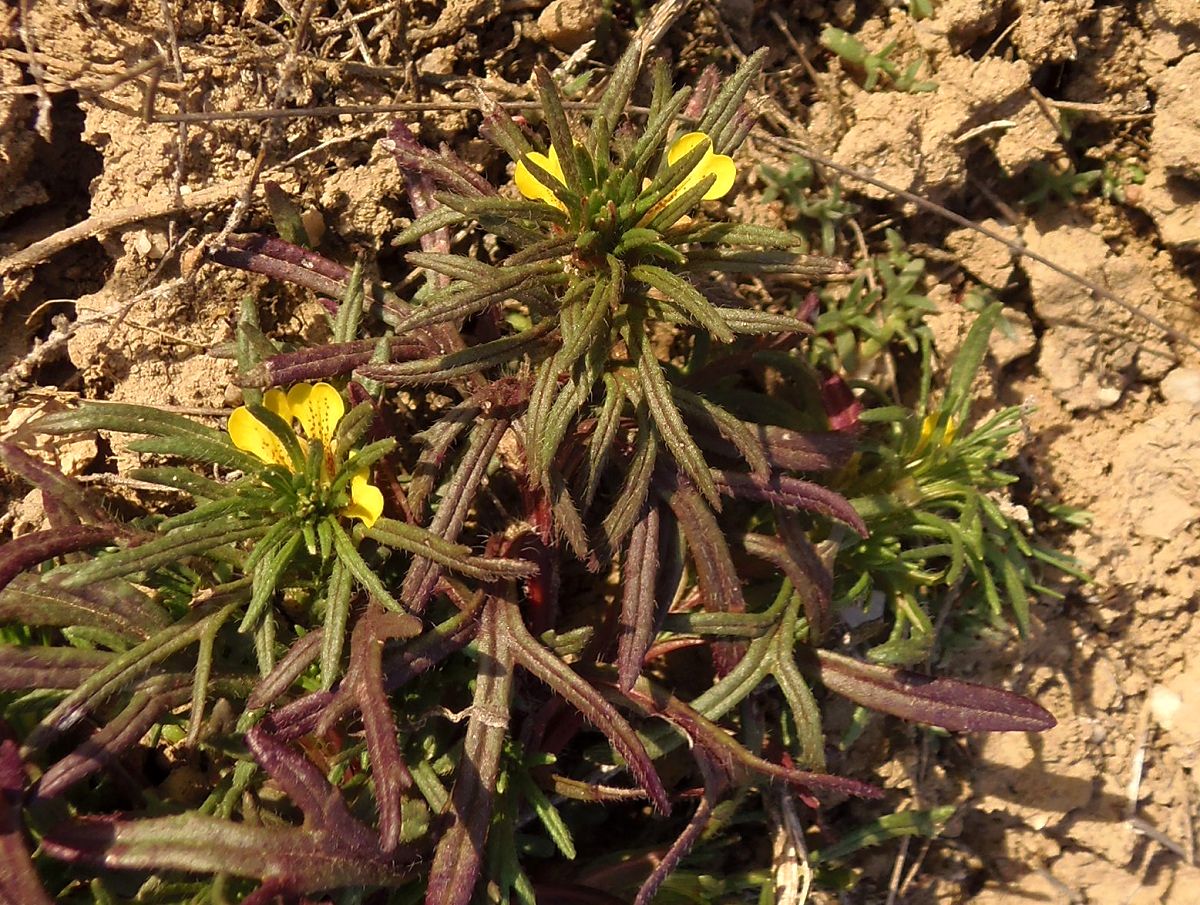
(457, 498)
(790, 493)
(365, 677)
(66, 500)
(23, 668)
(657, 394)
(638, 602)
(328, 360)
(687, 298)
(627, 507)
(303, 860)
(949, 703)
(114, 606)
(457, 860)
(715, 571)
(19, 882)
(30, 550)
(584, 698)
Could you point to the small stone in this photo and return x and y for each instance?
(567, 24)
(1182, 385)
(1164, 705)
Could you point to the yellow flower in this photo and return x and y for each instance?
(318, 408)
(719, 166)
(531, 187)
(927, 428)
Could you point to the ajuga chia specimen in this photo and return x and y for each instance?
(545, 547)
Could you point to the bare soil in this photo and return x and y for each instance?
(1101, 809)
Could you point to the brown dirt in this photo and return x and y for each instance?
(1114, 414)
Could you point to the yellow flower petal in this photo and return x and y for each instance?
(532, 187)
(722, 167)
(684, 145)
(252, 436)
(276, 401)
(366, 500)
(719, 165)
(318, 408)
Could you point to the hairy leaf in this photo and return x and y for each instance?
(950, 703)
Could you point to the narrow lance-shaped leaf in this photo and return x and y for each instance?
(456, 861)
(302, 860)
(459, 364)
(66, 500)
(451, 514)
(113, 606)
(132, 664)
(714, 785)
(638, 580)
(724, 750)
(949, 703)
(365, 677)
(791, 493)
(590, 704)
(29, 550)
(18, 879)
(657, 393)
(24, 668)
(687, 298)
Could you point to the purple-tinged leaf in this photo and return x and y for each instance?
(459, 853)
(588, 701)
(638, 600)
(790, 493)
(29, 550)
(717, 576)
(794, 555)
(724, 749)
(19, 881)
(23, 668)
(795, 451)
(298, 858)
(445, 168)
(284, 261)
(328, 360)
(436, 644)
(298, 718)
(365, 680)
(324, 809)
(113, 606)
(106, 746)
(949, 703)
(451, 514)
(66, 501)
(714, 785)
(278, 681)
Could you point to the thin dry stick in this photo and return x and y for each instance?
(1100, 292)
(656, 25)
(286, 74)
(168, 15)
(43, 125)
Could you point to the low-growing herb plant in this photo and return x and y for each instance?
(420, 641)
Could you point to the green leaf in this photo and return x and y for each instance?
(165, 550)
(966, 365)
(338, 593)
(657, 393)
(687, 298)
(549, 817)
(348, 554)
